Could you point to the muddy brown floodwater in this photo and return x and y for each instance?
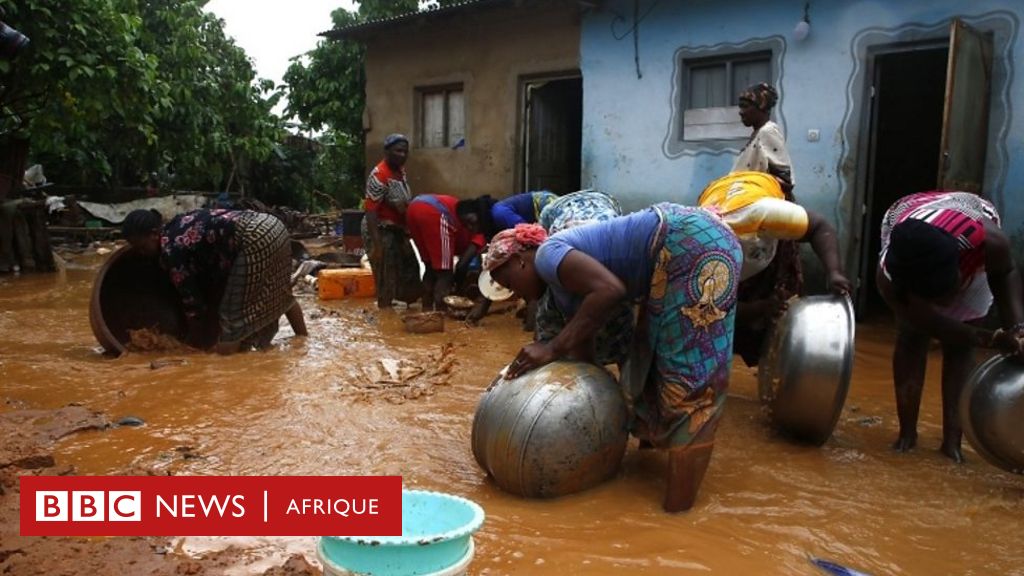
(303, 408)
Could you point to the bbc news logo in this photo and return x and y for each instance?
(89, 506)
(211, 505)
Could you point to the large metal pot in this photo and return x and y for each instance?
(132, 292)
(992, 410)
(804, 373)
(559, 429)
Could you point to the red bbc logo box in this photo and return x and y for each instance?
(211, 505)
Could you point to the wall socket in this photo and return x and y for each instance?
(813, 135)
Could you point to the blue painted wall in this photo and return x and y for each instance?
(627, 120)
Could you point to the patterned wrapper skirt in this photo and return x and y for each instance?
(258, 289)
(397, 273)
(678, 371)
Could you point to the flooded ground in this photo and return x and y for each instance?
(764, 506)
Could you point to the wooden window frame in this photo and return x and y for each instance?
(421, 116)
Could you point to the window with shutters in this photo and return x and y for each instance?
(710, 93)
(441, 118)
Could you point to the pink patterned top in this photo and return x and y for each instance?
(962, 214)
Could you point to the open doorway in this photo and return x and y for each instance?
(552, 134)
(927, 130)
(906, 133)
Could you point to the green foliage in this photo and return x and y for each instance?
(112, 90)
(326, 93)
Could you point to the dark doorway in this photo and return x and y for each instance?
(553, 134)
(905, 139)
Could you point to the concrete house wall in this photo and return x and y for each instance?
(630, 148)
(487, 51)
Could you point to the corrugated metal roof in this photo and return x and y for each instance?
(408, 16)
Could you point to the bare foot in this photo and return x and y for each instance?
(905, 443)
(953, 452)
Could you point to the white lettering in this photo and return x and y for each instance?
(237, 502)
(171, 508)
(344, 507)
(188, 506)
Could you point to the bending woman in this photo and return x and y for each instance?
(944, 260)
(440, 236)
(682, 265)
(231, 266)
(755, 207)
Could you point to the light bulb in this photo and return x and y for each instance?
(803, 28)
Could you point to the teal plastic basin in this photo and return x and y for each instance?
(437, 532)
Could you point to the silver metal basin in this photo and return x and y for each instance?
(559, 429)
(992, 411)
(804, 373)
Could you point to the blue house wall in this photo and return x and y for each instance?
(631, 92)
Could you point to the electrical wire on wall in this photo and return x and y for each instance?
(634, 30)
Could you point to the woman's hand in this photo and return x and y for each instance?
(531, 356)
(479, 310)
(839, 283)
(1008, 343)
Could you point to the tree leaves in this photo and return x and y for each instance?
(115, 89)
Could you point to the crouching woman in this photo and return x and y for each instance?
(231, 267)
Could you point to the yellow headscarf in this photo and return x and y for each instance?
(738, 190)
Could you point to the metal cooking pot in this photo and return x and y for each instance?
(991, 412)
(804, 373)
(559, 429)
(132, 292)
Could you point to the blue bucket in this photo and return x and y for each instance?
(437, 538)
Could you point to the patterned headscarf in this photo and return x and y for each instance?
(508, 243)
(393, 139)
(762, 95)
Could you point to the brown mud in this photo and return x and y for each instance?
(335, 403)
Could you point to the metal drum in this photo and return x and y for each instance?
(804, 373)
(133, 292)
(556, 430)
(992, 410)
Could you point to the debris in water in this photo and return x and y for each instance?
(148, 339)
(404, 379)
(870, 421)
(158, 364)
(131, 421)
(424, 322)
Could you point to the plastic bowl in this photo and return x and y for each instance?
(437, 537)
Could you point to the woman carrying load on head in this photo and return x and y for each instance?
(395, 271)
(754, 206)
(944, 261)
(681, 265)
(230, 266)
